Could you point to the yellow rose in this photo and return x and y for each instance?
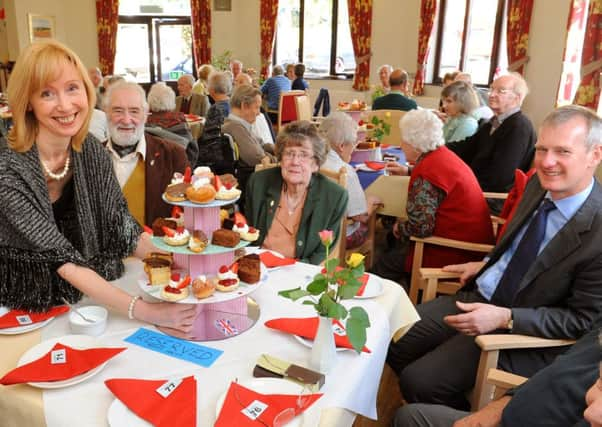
(355, 260)
(388, 115)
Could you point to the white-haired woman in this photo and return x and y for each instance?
(384, 72)
(444, 199)
(340, 131)
(161, 104)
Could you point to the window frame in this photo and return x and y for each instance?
(333, 42)
(495, 46)
(153, 22)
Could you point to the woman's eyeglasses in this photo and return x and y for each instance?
(302, 156)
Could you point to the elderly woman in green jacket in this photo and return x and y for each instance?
(291, 203)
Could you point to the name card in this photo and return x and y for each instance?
(24, 319)
(174, 347)
(255, 409)
(169, 387)
(58, 357)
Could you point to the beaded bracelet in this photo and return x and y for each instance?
(131, 307)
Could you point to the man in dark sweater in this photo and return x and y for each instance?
(503, 144)
(395, 99)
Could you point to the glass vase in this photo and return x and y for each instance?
(323, 352)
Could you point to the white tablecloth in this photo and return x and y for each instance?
(352, 385)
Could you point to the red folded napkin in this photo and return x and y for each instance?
(270, 260)
(364, 280)
(385, 145)
(77, 362)
(9, 320)
(141, 397)
(375, 165)
(245, 407)
(307, 327)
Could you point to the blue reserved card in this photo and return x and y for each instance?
(174, 347)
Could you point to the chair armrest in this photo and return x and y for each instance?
(442, 241)
(509, 341)
(504, 379)
(437, 273)
(491, 195)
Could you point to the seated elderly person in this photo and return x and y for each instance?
(291, 203)
(340, 131)
(219, 87)
(245, 104)
(161, 104)
(444, 199)
(200, 86)
(459, 99)
(384, 71)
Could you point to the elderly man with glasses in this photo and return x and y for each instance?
(503, 144)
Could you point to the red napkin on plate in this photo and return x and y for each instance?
(270, 260)
(307, 327)
(385, 145)
(375, 165)
(9, 320)
(142, 398)
(240, 400)
(364, 280)
(78, 362)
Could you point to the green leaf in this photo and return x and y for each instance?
(359, 314)
(331, 264)
(294, 294)
(337, 311)
(359, 270)
(375, 120)
(350, 289)
(318, 285)
(356, 332)
(286, 293)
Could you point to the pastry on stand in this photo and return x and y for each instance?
(220, 314)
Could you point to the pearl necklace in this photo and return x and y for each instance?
(57, 176)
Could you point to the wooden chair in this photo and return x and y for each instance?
(490, 346)
(304, 109)
(367, 247)
(340, 177)
(394, 137)
(266, 163)
(287, 111)
(433, 280)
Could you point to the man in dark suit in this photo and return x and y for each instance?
(143, 163)
(395, 99)
(547, 286)
(504, 143)
(188, 102)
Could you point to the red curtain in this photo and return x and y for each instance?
(267, 25)
(200, 13)
(360, 23)
(517, 34)
(588, 93)
(428, 10)
(107, 18)
(572, 52)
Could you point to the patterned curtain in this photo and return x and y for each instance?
(267, 25)
(517, 34)
(107, 18)
(428, 10)
(360, 23)
(572, 52)
(200, 11)
(588, 93)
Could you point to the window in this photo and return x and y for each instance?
(154, 40)
(306, 32)
(471, 38)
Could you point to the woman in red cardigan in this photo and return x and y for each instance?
(444, 199)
